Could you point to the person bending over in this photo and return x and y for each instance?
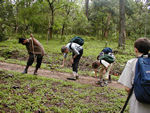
(35, 50)
(77, 52)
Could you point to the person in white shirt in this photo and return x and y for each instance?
(77, 52)
(141, 47)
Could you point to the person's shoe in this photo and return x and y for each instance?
(77, 77)
(35, 72)
(72, 78)
(24, 72)
(109, 81)
(102, 84)
(105, 83)
(98, 82)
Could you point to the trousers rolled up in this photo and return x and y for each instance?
(76, 61)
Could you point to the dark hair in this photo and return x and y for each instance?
(95, 64)
(63, 49)
(142, 45)
(21, 40)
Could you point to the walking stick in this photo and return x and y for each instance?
(33, 47)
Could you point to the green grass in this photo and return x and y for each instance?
(29, 93)
(12, 52)
(35, 94)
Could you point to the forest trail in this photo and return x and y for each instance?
(56, 75)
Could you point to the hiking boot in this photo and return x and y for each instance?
(24, 72)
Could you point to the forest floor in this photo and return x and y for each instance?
(57, 75)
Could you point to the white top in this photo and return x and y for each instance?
(75, 48)
(126, 79)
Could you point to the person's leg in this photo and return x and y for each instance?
(29, 63)
(38, 65)
(101, 74)
(75, 65)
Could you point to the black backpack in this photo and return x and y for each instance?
(77, 40)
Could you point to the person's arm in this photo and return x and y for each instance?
(72, 59)
(63, 63)
(95, 70)
(64, 59)
(34, 41)
(75, 56)
(127, 89)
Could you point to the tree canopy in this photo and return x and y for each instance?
(98, 18)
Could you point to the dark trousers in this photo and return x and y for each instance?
(76, 61)
(38, 60)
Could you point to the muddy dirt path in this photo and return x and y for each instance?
(56, 75)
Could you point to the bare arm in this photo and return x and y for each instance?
(127, 89)
(63, 63)
(95, 70)
(34, 41)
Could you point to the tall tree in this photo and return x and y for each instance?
(53, 5)
(122, 33)
(51, 24)
(87, 8)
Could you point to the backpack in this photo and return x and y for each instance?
(77, 40)
(141, 85)
(107, 58)
(107, 50)
(107, 55)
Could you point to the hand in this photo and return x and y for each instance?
(31, 35)
(62, 66)
(71, 60)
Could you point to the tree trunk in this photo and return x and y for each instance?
(50, 29)
(122, 33)
(103, 30)
(107, 26)
(87, 8)
(63, 29)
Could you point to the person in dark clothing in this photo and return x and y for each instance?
(77, 52)
(35, 50)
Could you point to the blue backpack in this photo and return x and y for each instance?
(107, 55)
(107, 50)
(142, 80)
(77, 40)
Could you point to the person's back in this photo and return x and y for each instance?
(142, 47)
(77, 51)
(33, 47)
(105, 60)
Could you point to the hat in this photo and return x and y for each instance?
(21, 40)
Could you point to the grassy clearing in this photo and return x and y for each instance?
(11, 51)
(28, 93)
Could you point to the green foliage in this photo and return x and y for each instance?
(13, 52)
(27, 93)
(28, 16)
